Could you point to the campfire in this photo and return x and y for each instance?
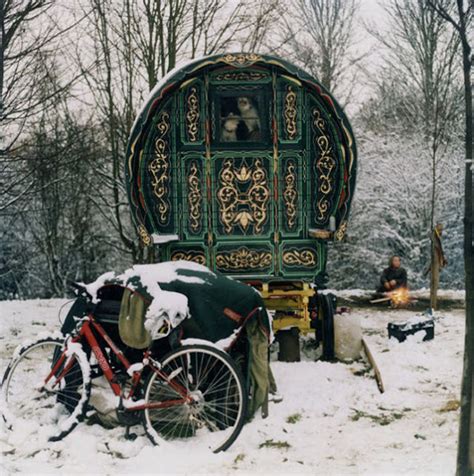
(398, 298)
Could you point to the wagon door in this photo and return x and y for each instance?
(241, 173)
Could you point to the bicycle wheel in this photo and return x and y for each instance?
(214, 411)
(53, 402)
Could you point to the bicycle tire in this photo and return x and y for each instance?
(218, 403)
(56, 409)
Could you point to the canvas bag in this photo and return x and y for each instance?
(132, 320)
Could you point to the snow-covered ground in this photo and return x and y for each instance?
(332, 420)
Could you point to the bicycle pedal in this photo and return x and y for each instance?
(130, 436)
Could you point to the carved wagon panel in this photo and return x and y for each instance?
(291, 197)
(238, 259)
(242, 192)
(192, 115)
(302, 257)
(158, 177)
(193, 196)
(289, 111)
(197, 253)
(324, 164)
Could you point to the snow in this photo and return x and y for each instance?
(138, 367)
(161, 239)
(167, 306)
(93, 287)
(41, 335)
(75, 350)
(196, 341)
(332, 421)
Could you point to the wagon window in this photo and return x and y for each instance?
(240, 118)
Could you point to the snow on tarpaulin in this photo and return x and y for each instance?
(164, 304)
(181, 289)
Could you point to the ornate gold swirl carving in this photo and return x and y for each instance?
(290, 113)
(243, 196)
(194, 197)
(241, 76)
(341, 231)
(195, 256)
(144, 236)
(243, 258)
(290, 193)
(192, 114)
(324, 166)
(241, 59)
(160, 168)
(300, 257)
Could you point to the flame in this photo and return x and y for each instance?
(400, 296)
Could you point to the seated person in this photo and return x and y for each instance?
(393, 277)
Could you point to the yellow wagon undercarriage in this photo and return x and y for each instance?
(289, 302)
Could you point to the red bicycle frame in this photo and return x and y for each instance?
(86, 333)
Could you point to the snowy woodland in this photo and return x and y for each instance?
(74, 75)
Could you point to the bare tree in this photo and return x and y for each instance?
(53, 225)
(421, 59)
(29, 31)
(261, 18)
(319, 35)
(461, 21)
(112, 84)
(166, 33)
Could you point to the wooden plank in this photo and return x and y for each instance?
(370, 357)
(385, 299)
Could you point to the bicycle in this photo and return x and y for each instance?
(194, 394)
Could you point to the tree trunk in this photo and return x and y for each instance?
(465, 461)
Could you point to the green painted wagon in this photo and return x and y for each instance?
(244, 163)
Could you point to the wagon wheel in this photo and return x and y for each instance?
(326, 306)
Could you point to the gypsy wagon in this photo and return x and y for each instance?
(246, 164)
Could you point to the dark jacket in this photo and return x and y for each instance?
(398, 274)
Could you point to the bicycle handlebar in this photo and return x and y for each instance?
(80, 288)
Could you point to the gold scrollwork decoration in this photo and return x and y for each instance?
(243, 195)
(194, 256)
(290, 113)
(301, 257)
(192, 114)
(325, 166)
(194, 197)
(241, 76)
(160, 168)
(144, 236)
(290, 194)
(242, 259)
(341, 231)
(241, 59)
